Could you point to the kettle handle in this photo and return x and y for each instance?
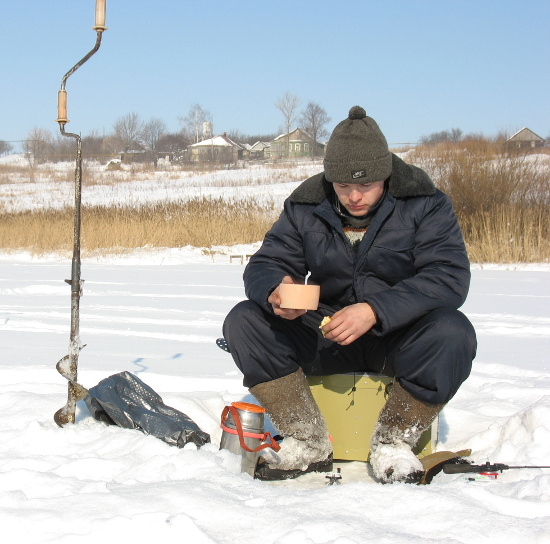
(265, 436)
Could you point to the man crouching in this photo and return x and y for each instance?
(386, 249)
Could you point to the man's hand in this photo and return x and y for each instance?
(275, 301)
(349, 323)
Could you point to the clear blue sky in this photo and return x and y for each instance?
(416, 66)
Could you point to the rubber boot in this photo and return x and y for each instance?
(293, 411)
(399, 427)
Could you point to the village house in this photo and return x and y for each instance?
(137, 153)
(297, 143)
(217, 149)
(259, 151)
(524, 139)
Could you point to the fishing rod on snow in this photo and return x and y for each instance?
(487, 468)
(68, 365)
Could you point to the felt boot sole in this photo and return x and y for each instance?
(266, 473)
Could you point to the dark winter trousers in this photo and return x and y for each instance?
(430, 357)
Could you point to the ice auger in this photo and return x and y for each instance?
(68, 365)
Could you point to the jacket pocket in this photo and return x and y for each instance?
(392, 255)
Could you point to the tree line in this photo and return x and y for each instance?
(131, 133)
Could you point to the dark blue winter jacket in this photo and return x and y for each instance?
(411, 260)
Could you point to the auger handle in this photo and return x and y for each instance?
(100, 8)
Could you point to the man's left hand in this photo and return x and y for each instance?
(350, 323)
(275, 301)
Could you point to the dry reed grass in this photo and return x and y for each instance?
(478, 176)
(508, 234)
(201, 222)
(502, 200)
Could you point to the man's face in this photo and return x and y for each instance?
(359, 198)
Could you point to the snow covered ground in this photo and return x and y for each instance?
(158, 315)
(113, 187)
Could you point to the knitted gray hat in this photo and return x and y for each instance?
(357, 151)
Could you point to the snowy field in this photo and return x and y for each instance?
(158, 315)
(113, 188)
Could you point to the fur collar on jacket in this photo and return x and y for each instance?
(406, 180)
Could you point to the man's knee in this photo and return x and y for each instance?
(451, 327)
(244, 315)
(260, 350)
(437, 356)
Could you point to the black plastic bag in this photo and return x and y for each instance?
(124, 400)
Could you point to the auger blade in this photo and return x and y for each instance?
(75, 391)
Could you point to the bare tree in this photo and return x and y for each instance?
(288, 105)
(313, 121)
(128, 132)
(94, 146)
(61, 149)
(174, 143)
(5, 147)
(237, 136)
(153, 131)
(37, 145)
(192, 124)
(453, 135)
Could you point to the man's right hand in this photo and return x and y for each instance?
(275, 301)
(350, 323)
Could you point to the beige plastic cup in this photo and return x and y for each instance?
(296, 296)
